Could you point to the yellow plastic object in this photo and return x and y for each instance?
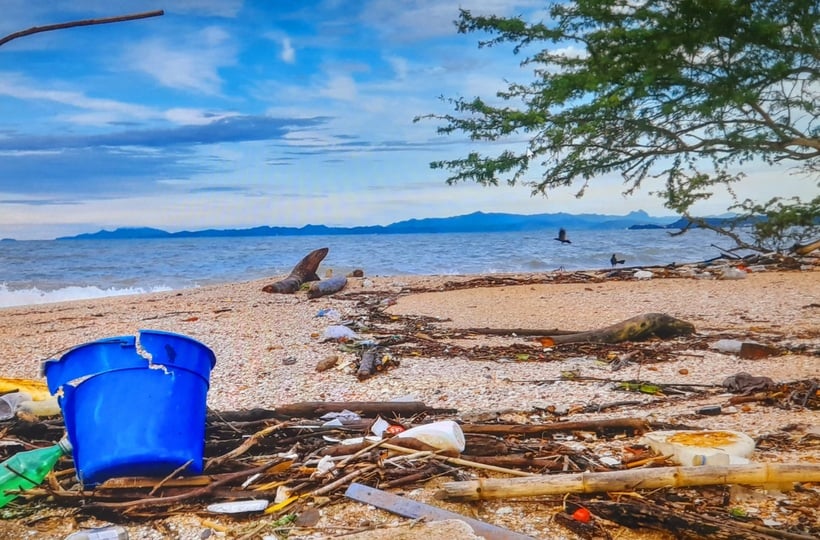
(38, 390)
(706, 447)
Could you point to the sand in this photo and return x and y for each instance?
(267, 347)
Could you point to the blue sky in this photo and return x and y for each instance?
(235, 114)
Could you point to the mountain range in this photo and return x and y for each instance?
(475, 222)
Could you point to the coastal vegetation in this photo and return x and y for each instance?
(677, 95)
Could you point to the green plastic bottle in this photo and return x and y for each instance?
(26, 470)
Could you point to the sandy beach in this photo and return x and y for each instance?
(268, 345)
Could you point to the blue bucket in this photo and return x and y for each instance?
(127, 415)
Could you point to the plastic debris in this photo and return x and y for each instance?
(238, 507)
(732, 273)
(330, 313)
(338, 332)
(707, 447)
(28, 469)
(379, 426)
(727, 345)
(42, 408)
(643, 274)
(444, 435)
(112, 532)
(342, 416)
(10, 402)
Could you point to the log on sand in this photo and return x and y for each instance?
(328, 286)
(635, 329)
(303, 272)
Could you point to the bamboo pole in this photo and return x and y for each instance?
(630, 480)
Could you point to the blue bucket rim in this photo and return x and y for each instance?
(124, 341)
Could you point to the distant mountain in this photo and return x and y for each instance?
(475, 222)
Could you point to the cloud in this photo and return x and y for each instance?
(78, 173)
(191, 64)
(106, 110)
(288, 53)
(131, 160)
(340, 87)
(225, 129)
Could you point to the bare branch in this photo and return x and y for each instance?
(86, 22)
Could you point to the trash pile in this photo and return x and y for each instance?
(274, 465)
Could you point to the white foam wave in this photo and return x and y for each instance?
(31, 296)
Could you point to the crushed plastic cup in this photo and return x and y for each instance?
(9, 403)
(444, 435)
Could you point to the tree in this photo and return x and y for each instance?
(681, 94)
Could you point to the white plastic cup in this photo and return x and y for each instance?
(9, 403)
(444, 435)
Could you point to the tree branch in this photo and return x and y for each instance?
(86, 22)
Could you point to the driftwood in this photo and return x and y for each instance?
(303, 272)
(636, 426)
(635, 329)
(313, 409)
(780, 474)
(328, 286)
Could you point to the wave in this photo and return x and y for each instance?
(33, 295)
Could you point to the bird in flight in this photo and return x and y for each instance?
(615, 260)
(562, 236)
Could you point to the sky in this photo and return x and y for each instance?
(237, 114)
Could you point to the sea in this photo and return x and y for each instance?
(44, 271)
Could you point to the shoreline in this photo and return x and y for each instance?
(251, 331)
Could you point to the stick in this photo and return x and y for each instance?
(633, 425)
(459, 461)
(153, 501)
(631, 480)
(72, 24)
(312, 409)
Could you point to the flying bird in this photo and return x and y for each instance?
(615, 260)
(562, 236)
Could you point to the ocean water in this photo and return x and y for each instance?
(41, 271)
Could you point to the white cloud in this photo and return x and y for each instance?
(191, 65)
(190, 117)
(288, 53)
(340, 87)
(101, 110)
